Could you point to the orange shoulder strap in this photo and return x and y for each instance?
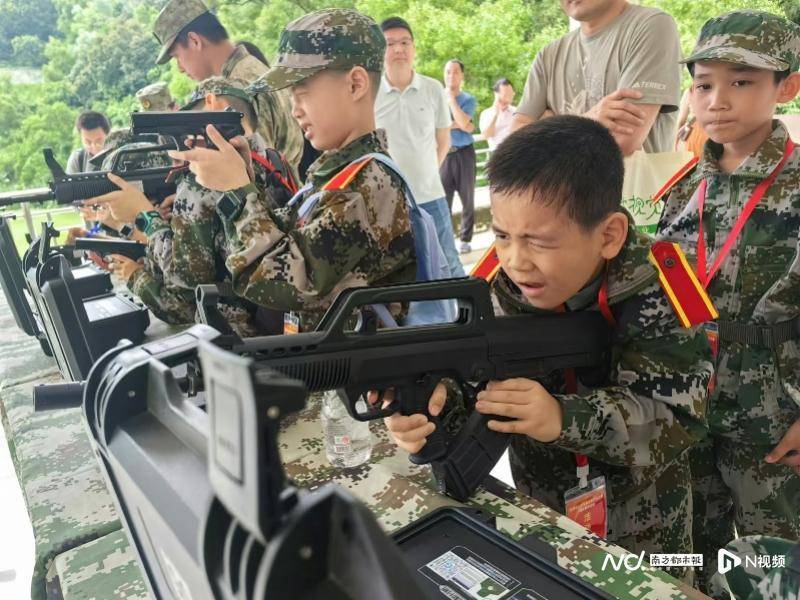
(689, 300)
(659, 195)
(488, 265)
(344, 177)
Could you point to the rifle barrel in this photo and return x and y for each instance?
(36, 196)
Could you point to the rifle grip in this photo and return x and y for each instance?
(435, 447)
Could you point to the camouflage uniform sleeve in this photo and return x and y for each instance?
(655, 407)
(184, 248)
(173, 306)
(350, 239)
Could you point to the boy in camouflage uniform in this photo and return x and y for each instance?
(358, 233)
(564, 243)
(188, 249)
(744, 64)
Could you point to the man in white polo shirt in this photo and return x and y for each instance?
(496, 120)
(413, 110)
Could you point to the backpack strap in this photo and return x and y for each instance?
(679, 174)
(338, 182)
(689, 300)
(286, 180)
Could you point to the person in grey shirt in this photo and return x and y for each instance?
(621, 68)
(93, 127)
(413, 110)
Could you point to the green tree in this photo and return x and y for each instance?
(22, 18)
(27, 51)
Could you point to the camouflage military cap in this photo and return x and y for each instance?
(749, 37)
(155, 96)
(176, 15)
(220, 86)
(334, 38)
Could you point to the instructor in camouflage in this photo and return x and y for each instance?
(188, 32)
(358, 231)
(744, 64)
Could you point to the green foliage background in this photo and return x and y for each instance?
(97, 53)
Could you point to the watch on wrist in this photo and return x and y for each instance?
(232, 202)
(144, 218)
(126, 231)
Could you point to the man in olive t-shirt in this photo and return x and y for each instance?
(620, 68)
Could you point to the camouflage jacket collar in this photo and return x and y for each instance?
(756, 166)
(236, 56)
(333, 161)
(629, 273)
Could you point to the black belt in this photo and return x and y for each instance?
(766, 336)
(454, 149)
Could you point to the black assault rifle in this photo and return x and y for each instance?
(74, 188)
(476, 348)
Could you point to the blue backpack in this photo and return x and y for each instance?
(431, 262)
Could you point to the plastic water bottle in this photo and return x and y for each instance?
(348, 442)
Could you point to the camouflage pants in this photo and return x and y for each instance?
(734, 487)
(749, 581)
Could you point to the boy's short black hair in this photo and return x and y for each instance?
(92, 120)
(459, 63)
(206, 25)
(568, 161)
(779, 75)
(501, 82)
(396, 23)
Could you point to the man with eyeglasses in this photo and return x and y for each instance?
(413, 110)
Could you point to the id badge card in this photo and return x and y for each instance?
(711, 330)
(588, 506)
(291, 323)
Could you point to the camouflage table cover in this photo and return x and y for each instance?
(399, 492)
(65, 494)
(21, 357)
(105, 569)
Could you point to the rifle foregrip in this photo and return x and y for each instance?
(75, 191)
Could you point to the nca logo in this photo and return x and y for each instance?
(727, 561)
(632, 562)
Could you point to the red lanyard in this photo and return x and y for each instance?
(703, 275)
(571, 381)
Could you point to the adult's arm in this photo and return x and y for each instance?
(462, 119)
(442, 144)
(651, 67)
(488, 121)
(533, 105)
(628, 122)
(442, 122)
